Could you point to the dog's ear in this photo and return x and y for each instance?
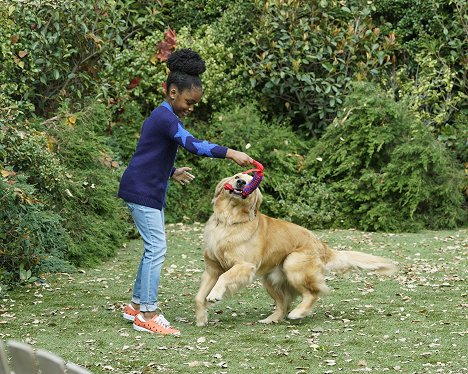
(256, 202)
(220, 188)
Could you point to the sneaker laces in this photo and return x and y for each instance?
(160, 320)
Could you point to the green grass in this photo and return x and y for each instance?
(412, 322)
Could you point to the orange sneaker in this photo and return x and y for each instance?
(157, 324)
(129, 313)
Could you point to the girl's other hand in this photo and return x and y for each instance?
(183, 176)
(240, 158)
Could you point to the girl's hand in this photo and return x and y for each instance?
(240, 158)
(183, 176)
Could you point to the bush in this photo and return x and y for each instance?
(194, 13)
(136, 74)
(223, 82)
(431, 63)
(434, 99)
(304, 54)
(95, 218)
(54, 50)
(59, 181)
(242, 128)
(307, 201)
(32, 238)
(386, 169)
(125, 131)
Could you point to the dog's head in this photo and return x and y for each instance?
(232, 204)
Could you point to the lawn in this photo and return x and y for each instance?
(412, 322)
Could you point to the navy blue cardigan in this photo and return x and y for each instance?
(145, 180)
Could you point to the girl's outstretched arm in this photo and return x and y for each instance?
(240, 158)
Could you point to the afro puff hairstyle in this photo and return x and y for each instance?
(185, 66)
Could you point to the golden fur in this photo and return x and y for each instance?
(241, 243)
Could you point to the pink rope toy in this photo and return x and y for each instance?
(254, 183)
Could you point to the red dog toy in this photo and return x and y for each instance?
(254, 183)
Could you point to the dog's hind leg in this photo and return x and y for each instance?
(240, 275)
(281, 292)
(209, 278)
(305, 273)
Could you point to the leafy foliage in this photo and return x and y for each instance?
(55, 49)
(242, 128)
(307, 201)
(431, 64)
(137, 74)
(386, 169)
(94, 216)
(32, 238)
(58, 190)
(435, 100)
(193, 13)
(223, 82)
(304, 54)
(125, 132)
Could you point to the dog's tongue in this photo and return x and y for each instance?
(255, 182)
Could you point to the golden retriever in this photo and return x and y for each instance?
(241, 243)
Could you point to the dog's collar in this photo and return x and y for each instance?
(254, 183)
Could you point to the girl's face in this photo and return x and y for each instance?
(183, 102)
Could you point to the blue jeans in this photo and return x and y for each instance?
(150, 224)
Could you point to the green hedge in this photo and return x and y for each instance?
(304, 54)
(385, 169)
(243, 128)
(431, 64)
(59, 181)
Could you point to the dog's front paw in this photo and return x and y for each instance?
(214, 296)
(295, 314)
(202, 322)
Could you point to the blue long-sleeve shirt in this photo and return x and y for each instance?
(145, 180)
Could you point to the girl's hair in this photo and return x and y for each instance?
(185, 67)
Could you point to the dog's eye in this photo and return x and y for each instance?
(237, 177)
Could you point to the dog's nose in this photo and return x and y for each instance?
(240, 183)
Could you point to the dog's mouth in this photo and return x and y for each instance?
(236, 192)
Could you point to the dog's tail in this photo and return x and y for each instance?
(344, 261)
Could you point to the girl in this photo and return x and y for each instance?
(144, 183)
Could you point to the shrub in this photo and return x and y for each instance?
(223, 82)
(434, 99)
(95, 218)
(59, 182)
(125, 131)
(194, 13)
(307, 201)
(386, 169)
(53, 50)
(431, 63)
(441, 21)
(32, 238)
(304, 54)
(136, 74)
(242, 128)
